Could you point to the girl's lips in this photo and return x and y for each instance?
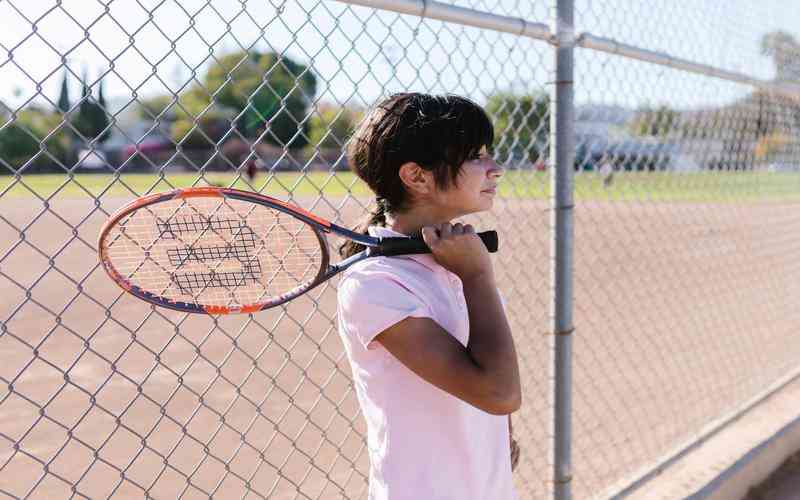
(491, 191)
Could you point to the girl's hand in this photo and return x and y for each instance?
(459, 250)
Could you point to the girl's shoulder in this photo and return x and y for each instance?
(382, 266)
(396, 268)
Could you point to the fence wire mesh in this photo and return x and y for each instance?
(685, 230)
(106, 396)
(686, 188)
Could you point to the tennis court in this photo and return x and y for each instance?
(113, 396)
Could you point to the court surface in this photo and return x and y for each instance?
(676, 314)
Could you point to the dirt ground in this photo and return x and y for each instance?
(682, 312)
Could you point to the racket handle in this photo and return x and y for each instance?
(407, 246)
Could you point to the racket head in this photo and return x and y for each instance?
(214, 250)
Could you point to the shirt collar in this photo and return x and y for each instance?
(425, 259)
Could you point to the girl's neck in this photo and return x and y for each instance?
(412, 221)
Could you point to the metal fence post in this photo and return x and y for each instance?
(562, 142)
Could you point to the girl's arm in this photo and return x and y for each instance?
(485, 372)
(433, 354)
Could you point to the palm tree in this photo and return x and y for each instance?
(785, 53)
(63, 98)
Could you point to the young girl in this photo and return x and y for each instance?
(431, 351)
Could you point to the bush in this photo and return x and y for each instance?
(23, 138)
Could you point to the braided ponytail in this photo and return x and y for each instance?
(376, 218)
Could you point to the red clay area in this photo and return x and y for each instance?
(682, 312)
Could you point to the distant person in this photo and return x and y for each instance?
(252, 169)
(606, 171)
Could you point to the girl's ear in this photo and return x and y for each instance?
(416, 179)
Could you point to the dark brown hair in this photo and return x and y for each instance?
(437, 132)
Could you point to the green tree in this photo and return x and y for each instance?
(152, 107)
(199, 124)
(771, 146)
(101, 99)
(5, 112)
(521, 124)
(63, 97)
(92, 120)
(654, 122)
(785, 53)
(22, 138)
(331, 126)
(270, 93)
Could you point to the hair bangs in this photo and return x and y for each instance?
(472, 131)
(466, 129)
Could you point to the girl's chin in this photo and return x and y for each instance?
(483, 206)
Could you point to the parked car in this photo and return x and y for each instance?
(142, 138)
(147, 145)
(92, 159)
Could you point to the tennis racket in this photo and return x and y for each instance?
(220, 251)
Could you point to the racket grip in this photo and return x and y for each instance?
(407, 246)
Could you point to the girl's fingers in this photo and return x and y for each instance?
(446, 231)
(430, 235)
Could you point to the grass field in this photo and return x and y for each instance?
(626, 186)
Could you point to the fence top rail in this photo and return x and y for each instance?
(608, 45)
(431, 9)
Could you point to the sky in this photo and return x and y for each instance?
(143, 48)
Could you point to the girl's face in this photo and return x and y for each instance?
(474, 189)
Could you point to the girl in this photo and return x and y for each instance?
(431, 351)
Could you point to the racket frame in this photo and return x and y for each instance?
(375, 246)
(319, 225)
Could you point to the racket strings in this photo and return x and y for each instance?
(291, 263)
(128, 249)
(213, 251)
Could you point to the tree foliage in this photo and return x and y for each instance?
(270, 94)
(521, 124)
(199, 123)
(656, 122)
(776, 146)
(331, 126)
(159, 106)
(24, 138)
(785, 53)
(63, 96)
(92, 120)
(264, 96)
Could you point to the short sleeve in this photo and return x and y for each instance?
(371, 305)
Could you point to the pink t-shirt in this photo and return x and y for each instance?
(423, 442)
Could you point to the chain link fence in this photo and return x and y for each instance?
(685, 178)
